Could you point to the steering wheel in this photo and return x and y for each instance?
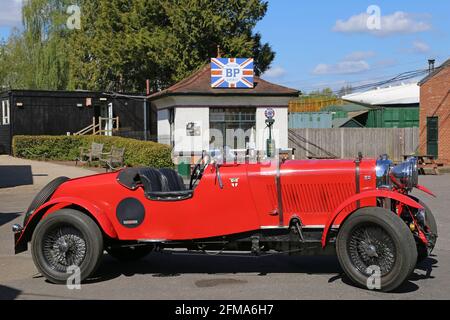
(197, 173)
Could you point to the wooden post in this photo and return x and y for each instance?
(93, 126)
(307, 143)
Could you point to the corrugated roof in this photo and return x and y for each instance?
(357, 113)
(199, 83)
(340, 122)
(402, 94)
(351, 107)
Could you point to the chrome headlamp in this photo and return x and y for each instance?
(406, 174)
(383, 166)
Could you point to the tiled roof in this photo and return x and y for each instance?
(199, 83)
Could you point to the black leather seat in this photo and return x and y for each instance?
(161, 185)
(152, 180)
(172, 180)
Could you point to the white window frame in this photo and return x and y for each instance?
(6, 112)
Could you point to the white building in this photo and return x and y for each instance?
(194, 117)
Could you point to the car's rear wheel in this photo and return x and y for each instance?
(376, 249)
(129, 253)
(64, 242)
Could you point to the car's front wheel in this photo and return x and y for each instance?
(376, 249)
(422, 250)
(67, 243)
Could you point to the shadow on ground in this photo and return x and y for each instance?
(168, 264)
(176, 264)
(409, 285)
(6, 217)
(8, 293)
(13, 176)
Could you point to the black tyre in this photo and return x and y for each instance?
(375, 239)
(422, 250)
(129, 253)
(64, 239)
(43, 195)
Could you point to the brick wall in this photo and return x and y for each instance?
(435, 102)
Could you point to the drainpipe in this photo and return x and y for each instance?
(145, 119)
(147, 83)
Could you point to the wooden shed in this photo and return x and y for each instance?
(33, 112)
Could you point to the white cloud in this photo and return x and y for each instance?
(420, 47)
(359, 55)
(11, 13)
(275, 72)
(396, 23)
(352, 63)
(343, 67)
(386, 63)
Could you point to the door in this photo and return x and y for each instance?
(432, 136)
(106, 112)
(5, 134)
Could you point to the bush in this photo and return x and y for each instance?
(67, 148)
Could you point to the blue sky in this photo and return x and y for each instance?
(327, 43)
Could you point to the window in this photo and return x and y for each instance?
(5, 112)
(232, 127)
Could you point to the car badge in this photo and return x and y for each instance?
(234, 182)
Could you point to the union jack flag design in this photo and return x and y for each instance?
(232, 73)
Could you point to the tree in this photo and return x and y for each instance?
(45, 43)
(13, 67)
(122, 43)
(326, 92)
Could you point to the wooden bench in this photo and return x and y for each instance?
(91, 154)
(113, 159)
(426, 162)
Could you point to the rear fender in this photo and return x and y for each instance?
(364, 195)
(59, 203)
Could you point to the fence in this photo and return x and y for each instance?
(313, 103)
(316, 120)
(347, 142)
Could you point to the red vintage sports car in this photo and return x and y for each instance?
(359, 209)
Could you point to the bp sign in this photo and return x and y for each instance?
(232, 73)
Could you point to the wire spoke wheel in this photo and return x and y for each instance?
(64, 239)
(370, 245)
(64, 246)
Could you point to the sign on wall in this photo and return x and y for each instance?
(193, 129)
(232, 72)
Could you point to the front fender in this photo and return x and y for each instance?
(368, 194)
(60, 203)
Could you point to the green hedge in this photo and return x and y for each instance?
(67, 148)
